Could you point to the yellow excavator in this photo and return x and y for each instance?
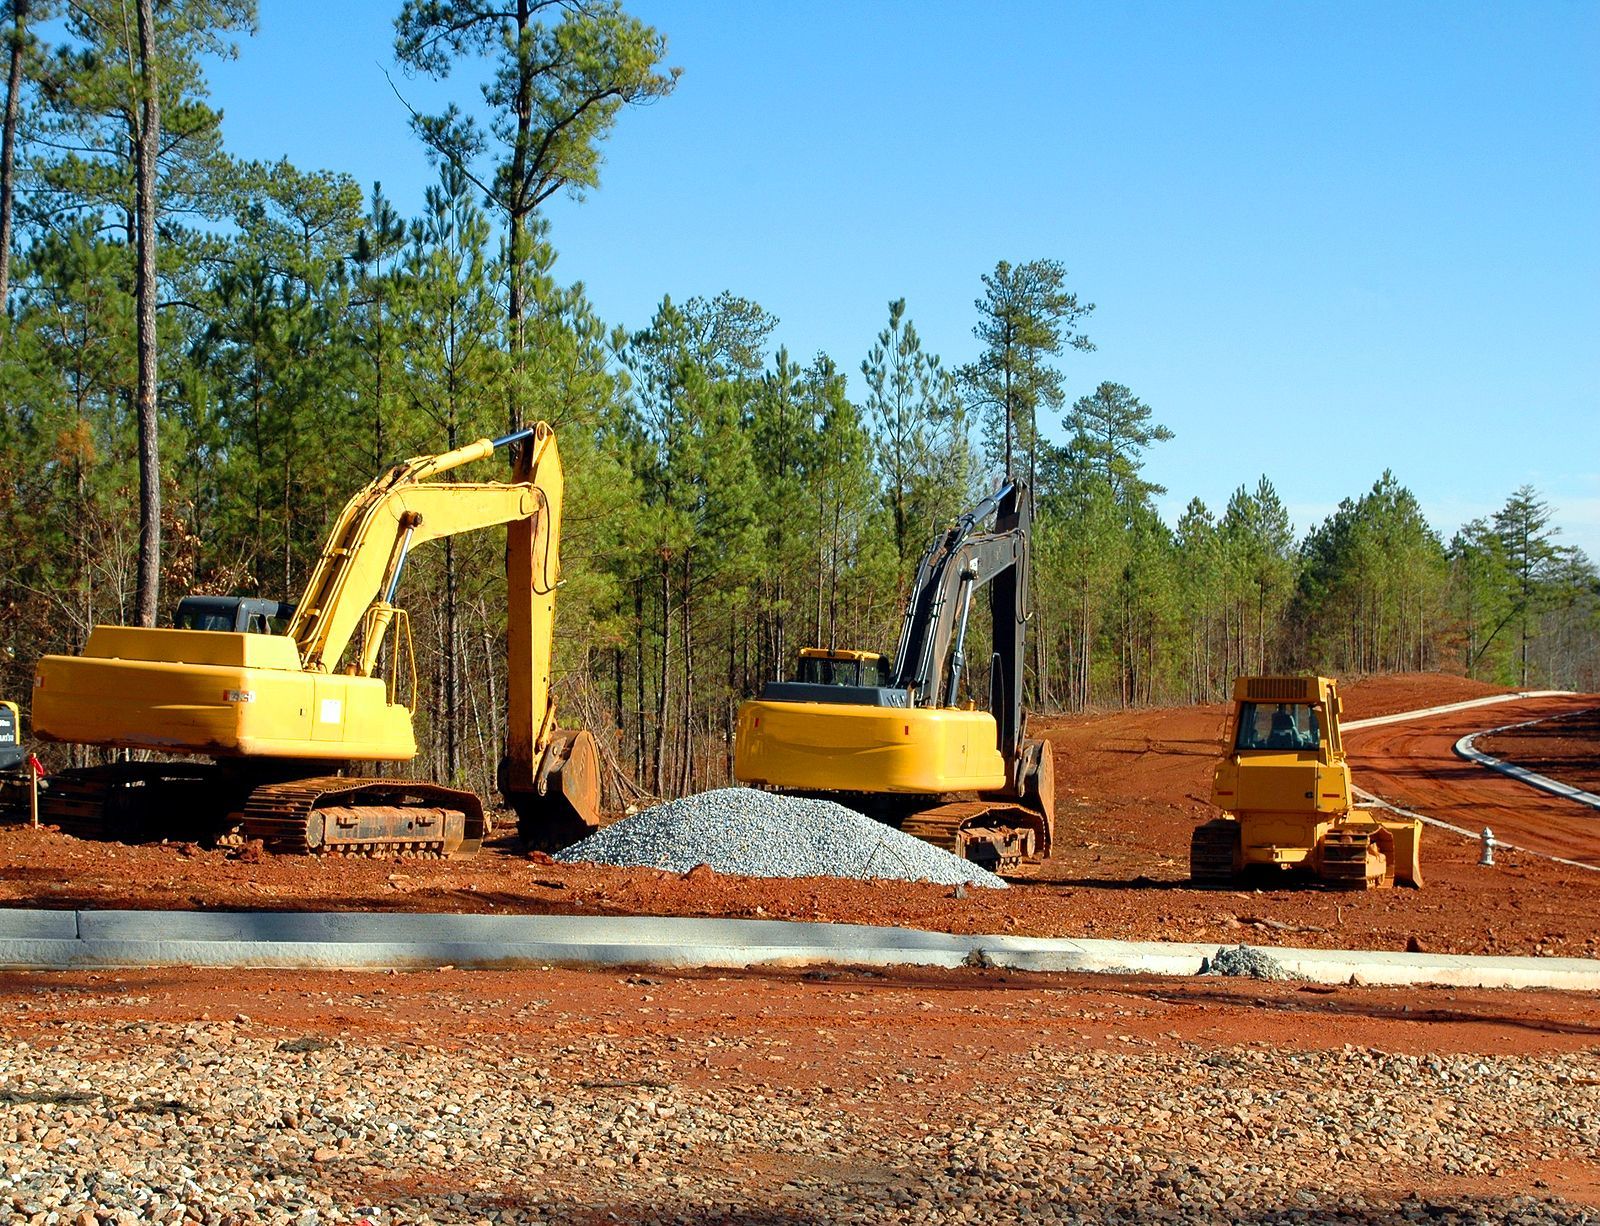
(263, 729)
(15, 780)
(896, 742)
(1284, 786)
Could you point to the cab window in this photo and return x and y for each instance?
(1277, 725)
(203, 619)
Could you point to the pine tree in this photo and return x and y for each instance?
(919, 432)
(1526, 540)
(1026, 317)
(1111, 430)
(1258, 541)
(553, 94)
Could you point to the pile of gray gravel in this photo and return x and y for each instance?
(748, 833)
(1245, 963)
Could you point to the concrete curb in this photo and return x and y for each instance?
(78, 940)
(1401, 717)
(1464, 748)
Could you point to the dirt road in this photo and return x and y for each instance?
(1565, 748)
(1413, 764)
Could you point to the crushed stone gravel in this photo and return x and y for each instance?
(1245, 962)
(218, 1124)
(749, 833)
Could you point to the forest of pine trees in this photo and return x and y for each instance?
(728, 501)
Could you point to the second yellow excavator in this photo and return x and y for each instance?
(893, 740)
(263, 729)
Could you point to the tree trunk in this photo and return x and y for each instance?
(638, 679)
(452, 684)
(517, 209)
(664, 688)
(148, 140)
(686, 768)
(8, 143)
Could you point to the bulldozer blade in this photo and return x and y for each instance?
(1407, 853)
(564, 807)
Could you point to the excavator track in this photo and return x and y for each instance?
(996, 834)
(137, 802)
(1214, 853)
(365, 817)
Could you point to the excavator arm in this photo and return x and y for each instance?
(931, 657)
(551, 778)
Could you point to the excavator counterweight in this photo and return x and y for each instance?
(284, 717)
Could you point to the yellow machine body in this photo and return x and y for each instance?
(1284, 785)
(842, 747)
(215, 693)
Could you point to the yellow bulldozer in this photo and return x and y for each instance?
(261, 729)
(894, 739)
(1284, 787)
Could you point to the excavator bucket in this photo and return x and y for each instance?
(565, 804)
(1038, 779)
(1406, 859)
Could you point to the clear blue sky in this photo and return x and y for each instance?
(1322, 239)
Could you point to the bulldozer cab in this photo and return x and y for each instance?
(1282, 725)
(1298, 715)
(1284, 753)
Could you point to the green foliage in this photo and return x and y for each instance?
(1372, 583)
(1110, 431)
(922, 453)
(727, 501)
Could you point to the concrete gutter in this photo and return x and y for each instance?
(1355, 725)
(105, 940)
(1465, 749)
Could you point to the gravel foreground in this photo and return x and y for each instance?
(216, 1123)
(751, 833)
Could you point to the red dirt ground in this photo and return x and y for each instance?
(1130, 787)
(1565, 748)
(958, 1030)
(1414, 764)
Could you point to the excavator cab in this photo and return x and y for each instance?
(238, 614)
(834, 666)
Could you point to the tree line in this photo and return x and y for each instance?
(202, 357)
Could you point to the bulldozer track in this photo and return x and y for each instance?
(1345, 861)
(1213, 853)
(334, 815)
